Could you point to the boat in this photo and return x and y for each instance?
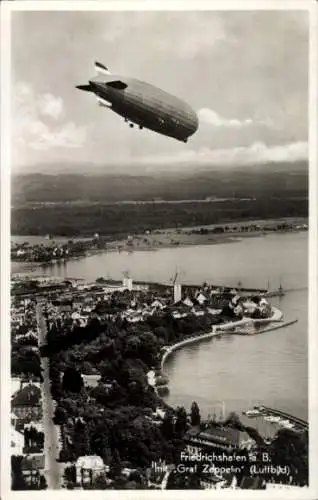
(259, 408)
(279, 292)
(286, 423)
(272, 418)
(252, 413)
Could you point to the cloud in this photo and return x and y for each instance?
(255, 154)
(51, 106)
(210, 117)
(37, 123)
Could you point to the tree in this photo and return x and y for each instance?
(60, 416)
(115, 465)
(72, 380)
(195, 414)
(43, 483)
(100, 483)
(101, 280)
(100, 444)
(81, 439)
(181, 421)
(233, 420)
(167, 427)
(18, 481)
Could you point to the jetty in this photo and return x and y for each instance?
(280, 413)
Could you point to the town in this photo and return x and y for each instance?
(88, 386)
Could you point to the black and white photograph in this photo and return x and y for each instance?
(158, 304)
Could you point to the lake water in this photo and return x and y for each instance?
(268, 369)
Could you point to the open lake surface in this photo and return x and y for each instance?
(270, 368)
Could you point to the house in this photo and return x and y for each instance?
(178, 314)
(157, 305)
(91, 380)
(249, 307)
(17, 442)
(88, 467)
(14, 420)
(32, 466)
(16, 385)
(197, 311)
(29, 336)
(201, 298)
(210, 482)
(214, 312)
(27, 402)
(38, 426)
(188, 302)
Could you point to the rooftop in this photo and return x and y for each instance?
(220, 435)
(90, 462)
(29, 395)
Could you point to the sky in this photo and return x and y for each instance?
(244, 73)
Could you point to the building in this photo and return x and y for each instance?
(177, 293)
(26, 403)
(210, 482)
(32, 466)
(91, 380)
(88, 468)
(128, 284)
(17, 442)
(217, 438)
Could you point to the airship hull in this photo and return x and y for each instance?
(150, 107)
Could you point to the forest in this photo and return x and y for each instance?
(81, 205)
(119, 220)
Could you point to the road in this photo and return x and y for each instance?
(53, 469)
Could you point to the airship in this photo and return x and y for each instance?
(142, 104)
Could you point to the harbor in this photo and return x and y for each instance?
(278, 417)
(217, 356)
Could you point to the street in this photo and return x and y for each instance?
(53, 469)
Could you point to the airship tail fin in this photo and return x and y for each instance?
(100, 68)
(87, 88)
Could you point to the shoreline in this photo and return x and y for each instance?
(178, 238)
(276, 323)
(206, 336)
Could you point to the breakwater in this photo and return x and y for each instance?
(269, 329)
(296, 420)
(229, 327)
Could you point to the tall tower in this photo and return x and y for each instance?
(129, 284)
(176, 292)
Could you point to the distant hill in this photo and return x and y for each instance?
(132, 169)
(279, 179)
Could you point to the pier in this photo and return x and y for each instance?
(295, 420)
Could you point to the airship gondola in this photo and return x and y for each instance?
(143, 104)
